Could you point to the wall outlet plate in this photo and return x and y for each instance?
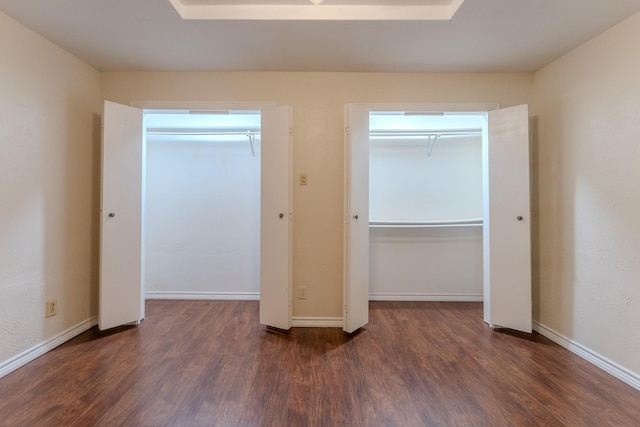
(302, 292)
(51, 308)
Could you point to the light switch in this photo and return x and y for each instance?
(303, 179)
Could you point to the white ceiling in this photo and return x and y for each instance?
(483, 36)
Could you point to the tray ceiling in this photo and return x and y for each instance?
(483, 36)
(347, 10)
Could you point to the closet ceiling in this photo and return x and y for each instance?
(483, 36)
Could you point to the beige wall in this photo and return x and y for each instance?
(318, 101)
(49, 152)
(587, 108)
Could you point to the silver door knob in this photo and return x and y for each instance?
(356, 217)
(281, 216)
(111, 215)
(519, 218)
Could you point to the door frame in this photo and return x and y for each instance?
(479, 108)
(185, 107)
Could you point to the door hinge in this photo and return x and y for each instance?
(290, 131)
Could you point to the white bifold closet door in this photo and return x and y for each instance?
(507, 220)
(121, 299)
(356, 226)
(276, 218)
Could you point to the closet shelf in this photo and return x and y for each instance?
(204, 132)
(251, 134)
(387, 134)
(467, 222)
(431, 136)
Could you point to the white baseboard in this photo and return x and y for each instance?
(255, 296)
(609, 366)
(425, 297)
(244, 296)
(38, 350)
(317, 322)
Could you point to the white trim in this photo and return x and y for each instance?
(425, 297)
(607, 365)
(317, 322)
(231, 296)
(38, 350)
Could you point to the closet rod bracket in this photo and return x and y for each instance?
(431, 142)
(252, 140)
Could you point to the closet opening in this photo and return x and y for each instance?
(416, 186)
(202, 204)
(426, 206)
(195, 204)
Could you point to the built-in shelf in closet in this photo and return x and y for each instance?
(469, 222)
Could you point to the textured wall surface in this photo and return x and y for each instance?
(49, 154)
(587, 108)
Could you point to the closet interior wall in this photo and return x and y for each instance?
(203, 206)
(425, 196)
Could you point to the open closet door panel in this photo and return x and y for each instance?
(276, 218)
(121, 299)
(356, 228)
(507, 222)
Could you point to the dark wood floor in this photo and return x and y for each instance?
(209, 363)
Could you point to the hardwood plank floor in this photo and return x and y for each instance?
(209, 363)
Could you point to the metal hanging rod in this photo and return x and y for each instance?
(251, 134)
(385, 134)
(468, 222)
(204, 132)
(431, 136)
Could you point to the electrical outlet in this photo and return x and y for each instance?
(303, 179)
(51, 308)
(302, 292)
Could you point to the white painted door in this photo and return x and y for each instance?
(121, 299)
(356, 227)
(276, 218)
(507, 220)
